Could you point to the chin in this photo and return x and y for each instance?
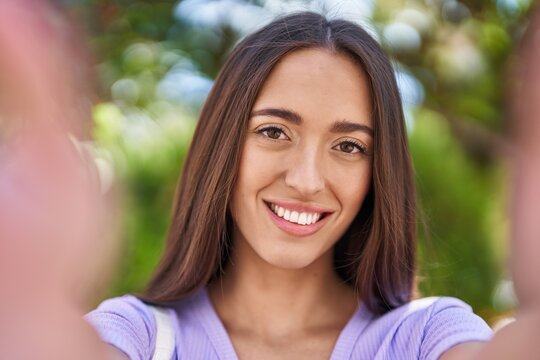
(289, 260)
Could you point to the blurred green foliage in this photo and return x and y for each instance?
(458, 258)
(157, 60)
(148, 148)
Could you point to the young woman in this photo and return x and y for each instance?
(293, 233)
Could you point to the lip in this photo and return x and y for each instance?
(299, 207)
(297, 229)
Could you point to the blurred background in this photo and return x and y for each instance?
(155, 61)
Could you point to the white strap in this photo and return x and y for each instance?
(164, 334)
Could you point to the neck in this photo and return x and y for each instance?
(256, 296)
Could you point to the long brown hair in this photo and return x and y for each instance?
(376, 256)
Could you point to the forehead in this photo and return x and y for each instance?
(318, 83)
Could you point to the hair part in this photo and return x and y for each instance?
(376, 256)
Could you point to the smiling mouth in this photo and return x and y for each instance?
(296, 217)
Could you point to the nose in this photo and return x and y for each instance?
(304, 172)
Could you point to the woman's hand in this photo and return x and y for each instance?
(519, 340)
(51, 208)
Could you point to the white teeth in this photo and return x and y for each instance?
(287, 215)
(302, 218)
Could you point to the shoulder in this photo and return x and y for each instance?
(126, 323)
(130, 325)
(421, 329)
(451, 322)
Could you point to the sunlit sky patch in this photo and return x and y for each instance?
(512, 7)
(188, 85)
(412, 94)
(245, 17)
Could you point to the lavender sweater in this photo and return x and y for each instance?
(421, 329)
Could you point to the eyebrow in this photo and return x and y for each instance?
(345, 126)
(284, 114)
(341, 126)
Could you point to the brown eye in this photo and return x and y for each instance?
(351, 148)
(347, 147)
(274, 133)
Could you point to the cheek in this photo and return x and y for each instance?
(351, 186)
(257, 169)
(256, 172)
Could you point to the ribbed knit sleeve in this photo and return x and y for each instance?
(420, 330)
(126, 323)
(451, 322)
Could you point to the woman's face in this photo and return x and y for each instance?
(306, 162)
